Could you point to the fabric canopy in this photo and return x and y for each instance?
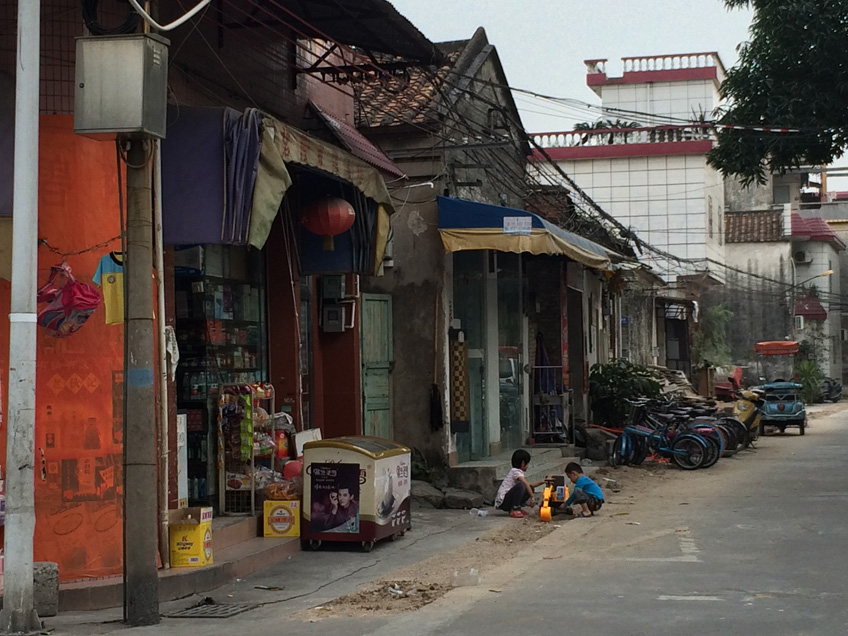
(467, 225)
(283, 144)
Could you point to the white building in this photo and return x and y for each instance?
(652, 174)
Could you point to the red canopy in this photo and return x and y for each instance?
(777, 348)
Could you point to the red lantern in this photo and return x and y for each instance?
(328, 217)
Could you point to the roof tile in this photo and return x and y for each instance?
(753, 227)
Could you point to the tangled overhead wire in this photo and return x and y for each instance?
(89, 16)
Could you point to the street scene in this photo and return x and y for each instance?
(372, 316)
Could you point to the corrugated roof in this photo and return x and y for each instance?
(816, 229)
(411, 98)
(356, 143)
(810, 308)
(753, 227)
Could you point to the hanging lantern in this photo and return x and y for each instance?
(328, 217)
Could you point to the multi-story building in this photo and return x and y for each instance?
(645, 161)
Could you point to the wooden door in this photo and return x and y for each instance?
(377, 365)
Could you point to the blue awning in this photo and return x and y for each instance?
(468, 225)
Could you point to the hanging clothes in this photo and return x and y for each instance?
(110, 278)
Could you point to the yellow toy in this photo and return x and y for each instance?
(556, 492)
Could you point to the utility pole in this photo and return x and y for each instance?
(141, 580)
(18, 614)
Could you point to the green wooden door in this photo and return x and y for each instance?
(377, 365)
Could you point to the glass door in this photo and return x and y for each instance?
(510, 346)
(469, 295)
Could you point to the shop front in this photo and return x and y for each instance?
(266, 299)
(516, 331)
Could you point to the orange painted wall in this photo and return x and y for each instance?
(78, 384)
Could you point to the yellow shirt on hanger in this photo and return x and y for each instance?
(110, 278)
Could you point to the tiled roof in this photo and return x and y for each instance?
(815, 229)
(753, 227)
(810, 307)
(356, 143)
(411, 98)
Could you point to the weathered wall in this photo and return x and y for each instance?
(738, 198)
(415, 282)
(761, 309)
(638, 316)
(79, 378)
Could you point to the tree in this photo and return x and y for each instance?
(793, 73)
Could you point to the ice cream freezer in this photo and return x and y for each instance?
(356, 490)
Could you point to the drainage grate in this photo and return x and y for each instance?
(211, 611)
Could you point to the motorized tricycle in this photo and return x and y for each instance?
(782, 405)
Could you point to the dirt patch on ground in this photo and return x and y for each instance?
(383, 597)
(821, 411)
(420, 584)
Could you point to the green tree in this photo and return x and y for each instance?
(709, 343)
(793, 73)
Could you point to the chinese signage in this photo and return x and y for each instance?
(517, 225)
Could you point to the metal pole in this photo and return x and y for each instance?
(162, 361)
(141, 581)
(18, 614)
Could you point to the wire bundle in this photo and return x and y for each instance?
(89, 16)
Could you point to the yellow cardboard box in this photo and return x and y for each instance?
(191, 537)
(282, 518)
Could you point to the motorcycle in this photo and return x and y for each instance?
(748, 409)
(831, 390)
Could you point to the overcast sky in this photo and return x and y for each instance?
(542, 43)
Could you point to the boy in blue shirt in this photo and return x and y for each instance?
(586, 492)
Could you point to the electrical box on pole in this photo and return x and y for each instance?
(121, 86)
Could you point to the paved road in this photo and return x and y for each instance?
(758, 545)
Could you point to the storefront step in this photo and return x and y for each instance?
(484, 476)
(230, 531)
(236, 561)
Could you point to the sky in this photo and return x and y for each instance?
(542, 43)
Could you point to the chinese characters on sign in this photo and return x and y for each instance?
(517, 225)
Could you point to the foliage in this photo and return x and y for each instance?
(810, 377)
(709, 343)
(606, 124)
(790, 75)
(613, 383)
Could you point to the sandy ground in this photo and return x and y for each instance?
(416, 586)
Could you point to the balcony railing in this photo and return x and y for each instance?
(661, 63)
(623, 136)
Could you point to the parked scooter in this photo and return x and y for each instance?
(748, 410)
(831, 390)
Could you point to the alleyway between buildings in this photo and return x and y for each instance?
(748, 547)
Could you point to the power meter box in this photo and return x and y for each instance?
(121, 86)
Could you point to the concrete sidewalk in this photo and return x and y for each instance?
(308, 578)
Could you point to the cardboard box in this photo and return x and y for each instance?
(282, 519)
(190, 531)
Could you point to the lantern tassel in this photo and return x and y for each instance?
(329, 244)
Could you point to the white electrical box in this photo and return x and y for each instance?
(121, 86)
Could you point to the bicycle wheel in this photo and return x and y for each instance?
(640, 451)
(689, 452)
(615, 458)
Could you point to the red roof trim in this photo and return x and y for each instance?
(627, 150)
(644, 77)
(815, 229)
(810, 308)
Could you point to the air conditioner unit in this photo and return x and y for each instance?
(800, 257)
(799, 323)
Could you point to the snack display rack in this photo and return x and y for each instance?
(246, 446)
